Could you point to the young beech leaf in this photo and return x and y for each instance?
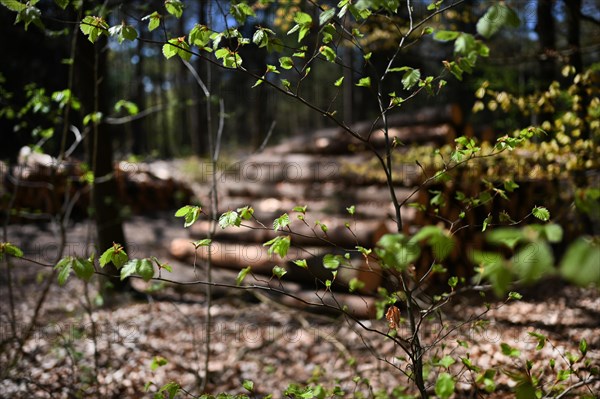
(541, 213)
(281, 222)
(280, 245)
(331, 261)
(145, 269)
(364, 82)
(83, 268)
(10, 249)
(301, 263)
(64, 267)
(248, 385)
(153, 20)
(242, 275)
(129, 268)
(444, 386)
(174, 7)
(279, 272)
(157, 361)
(355, 284)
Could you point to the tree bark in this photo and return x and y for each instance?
(546, 33)
(91, 67)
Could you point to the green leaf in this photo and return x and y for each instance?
(553, 232)
(230, 218)
(486, 222)
(533, 261)
(241, 12)
(301, 209)
(242, 275)
(64, 267)
(339, 82)
(495, 18)
(514, 296)
(279, 272)
(62, 3)
(281, 222)
(452, 281)
(411, 78)
(279, 245)
(396, 251)
(508, 236)
(246, 212)
(579, 265)
(114, 254)
(525, 390)
(169, 50)
(509, 350)
(143, 267)
(153, 20)
(301, 263)
(286, 62)
(130, 107)
(93, 27)
(199, 36)
(129, 268)
(583, 346)
(10, 249)
(355, 284)
(446, 361)
(364, 82)
(171, 388)
(446, 35)
(181, 212)
(444, 386)
(248, 385)
(174, 7)
(123, 32)
(83, 268)
(205, 242)
(541, 213)
(190, 214)
(326, 16)
(328, 52)
(157, 361)
(331, 261)
(540, 338)
(13, 5)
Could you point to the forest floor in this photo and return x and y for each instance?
(252, 338)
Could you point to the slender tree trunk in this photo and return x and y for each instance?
(139, 145)
(573, 33)
(91, 67)
(546, 34)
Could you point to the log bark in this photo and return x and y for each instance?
(238, 256)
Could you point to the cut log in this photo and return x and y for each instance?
(238, 256)
(274, 168)
(322, 141)
(357, 306)
(439, 134)
(359, 232)
(337, 141)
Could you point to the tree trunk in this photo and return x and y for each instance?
(573, 32)
(91, 67)
(546, 31)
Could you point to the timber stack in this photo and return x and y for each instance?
(318, 171)
(41, 188)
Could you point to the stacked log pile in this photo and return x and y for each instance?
(316, 171)
(42, 188)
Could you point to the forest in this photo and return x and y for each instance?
(300, 199)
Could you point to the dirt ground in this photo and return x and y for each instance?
(253, 338)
